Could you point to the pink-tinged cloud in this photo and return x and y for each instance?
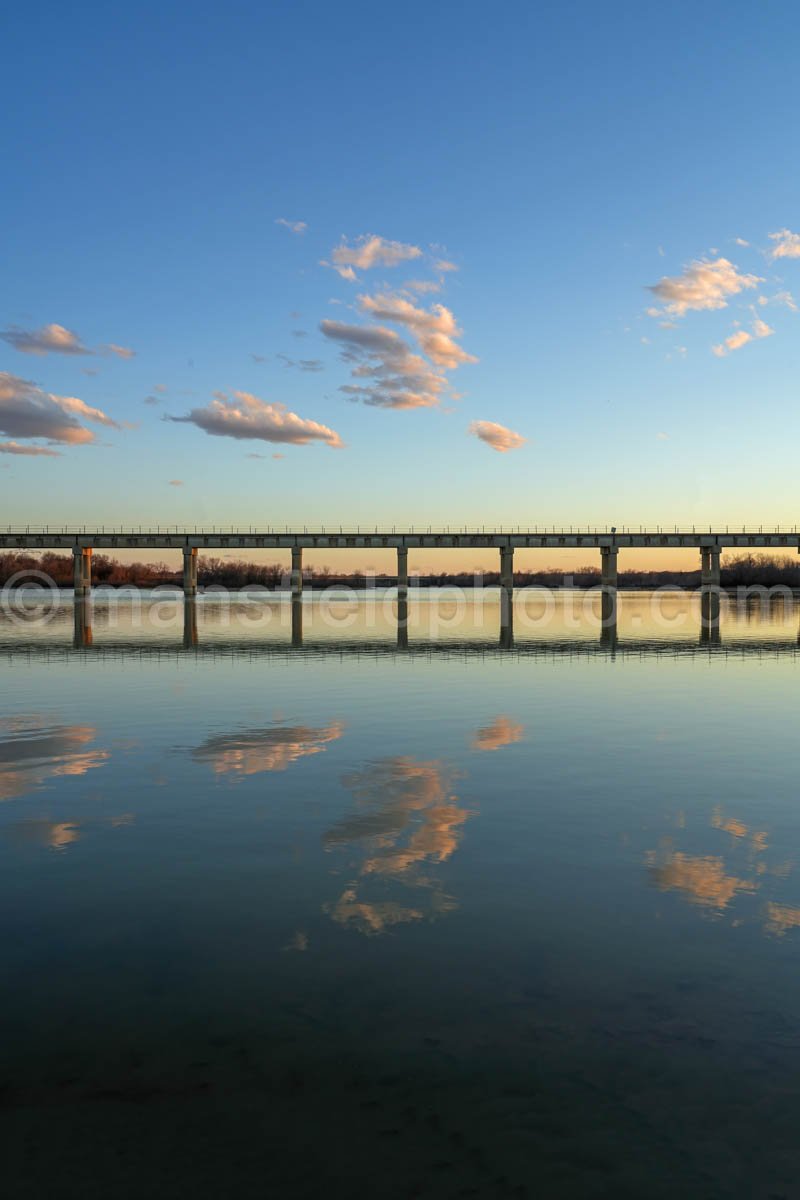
(369, 251)
(442, 264)
(27, 412)
(50, 339)
(435, 328)
(387, 372)
(28, 451)
(741, 337)
(120, 351)
(246, 417)
(497, 436)
(787, 244)
(703, 285)
(176, 483)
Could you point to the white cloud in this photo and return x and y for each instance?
(741, 242)
(245, 416)
(369, 251)
(50, 339)
(388, 373)
(435, 328)
(292, 226)
(787, 244)
(703, 285)
(27, 412)
(443, 264)
(497, 436)
(761, 329)
(663, 437)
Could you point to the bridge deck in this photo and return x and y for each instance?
(270, 539)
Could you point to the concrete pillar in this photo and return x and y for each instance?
(297, 570)
(190, 571)
(82, 570)
(190, 638)
(506, 586)
(713, 567)
(608, 565)
(506, 622)
(705, 566)
(402, 570)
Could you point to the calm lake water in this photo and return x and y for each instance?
(471, 916)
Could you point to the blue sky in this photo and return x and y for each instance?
(561, 158)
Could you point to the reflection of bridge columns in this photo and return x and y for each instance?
(297, 570)
(608, 569)
(190, 638)
(402, 623)
(608, 619)
(82, 616)
(82, 570)
(190, 571)
(297, 620)
(402, 571)
(709, 617)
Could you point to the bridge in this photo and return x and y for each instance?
(607, 542)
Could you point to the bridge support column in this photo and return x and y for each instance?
(297, 571)
(82, 570)
(608, 569)
(506, 597)
(190, 571)
(402, 571)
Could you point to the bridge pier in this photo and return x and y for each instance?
(297, 571)
(506, 584)
(608, 569)
(82, 570)
(402, 571)
(709, 567)
(190, 571)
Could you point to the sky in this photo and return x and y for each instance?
(431, 265)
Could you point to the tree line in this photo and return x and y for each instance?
(746, 569)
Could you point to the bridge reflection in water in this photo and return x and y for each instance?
(203, 629)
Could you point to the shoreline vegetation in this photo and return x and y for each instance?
(235, 574)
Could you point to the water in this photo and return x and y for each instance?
(459, 919)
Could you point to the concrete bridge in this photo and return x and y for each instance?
(608, 543)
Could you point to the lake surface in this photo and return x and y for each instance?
(445, 912)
